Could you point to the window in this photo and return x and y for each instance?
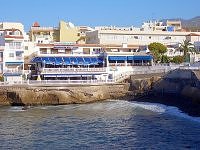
(11, 54)
(168, 38)
(17, 33)
(149, 37)
(135, 37)
(18, 44)
(19, 53)
(26, 48)
(15, 45)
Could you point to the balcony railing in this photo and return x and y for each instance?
(15, 47)
(72, 70)
(13, 71)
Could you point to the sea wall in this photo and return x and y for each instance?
(185, 83)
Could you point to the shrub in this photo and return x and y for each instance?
(178, 59)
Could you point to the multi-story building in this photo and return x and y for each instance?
(40, 34)
(11, 43)
(71, 61)
(135, 36)
(174, 23)
(11, 25)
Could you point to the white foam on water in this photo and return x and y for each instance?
(160, 108)
(16, 109)
(177, 112)
(152, 107)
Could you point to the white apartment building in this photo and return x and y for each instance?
(12, 55)
(12, 25)
(134, 37)
(149, 33)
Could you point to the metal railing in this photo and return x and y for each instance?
(143, 70)
(124, 75)
(56, 82)
(59, 82)
(13, 71)
(72, 70)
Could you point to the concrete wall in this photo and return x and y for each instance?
(67, 33)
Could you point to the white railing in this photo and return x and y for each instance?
(190, 67)
(120, 75)
(13, 71)
(71, 70)
(59, 82)
(16, 47)
(124, 75)
(56, 82)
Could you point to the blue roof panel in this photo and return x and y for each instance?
(148, 57)
(117, 58)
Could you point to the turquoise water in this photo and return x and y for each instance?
(105, 125)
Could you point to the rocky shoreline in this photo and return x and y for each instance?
(186, 105)
(61, 95)
(180, 88)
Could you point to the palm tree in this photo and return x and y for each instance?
(186, 47)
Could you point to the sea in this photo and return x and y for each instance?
(111, 124)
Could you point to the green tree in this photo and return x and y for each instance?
(186, 47)
(178, 59)
(158, 50)
(165, 59)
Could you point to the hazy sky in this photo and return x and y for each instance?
(95, 12)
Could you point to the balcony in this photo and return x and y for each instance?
(15, 47)
(73, 70)
(13, 71)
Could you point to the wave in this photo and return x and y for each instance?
(118, 105)
(17, 109)
(160, 108)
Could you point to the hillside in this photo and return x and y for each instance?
(192, 24)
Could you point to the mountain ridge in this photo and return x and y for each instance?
(192, 24)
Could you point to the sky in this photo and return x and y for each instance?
(95, 12)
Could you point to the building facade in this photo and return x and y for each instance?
(12, 55)
(134, 37)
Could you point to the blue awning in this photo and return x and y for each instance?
(36, 59)
(52, 60)
(94, 61)
(80, 60)
(58, 60)
(14, 63)
(73, 61)
(45, 60)
(148, 57)
(87, 60)
(117, 58)
(100, 60)
(66, 60)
